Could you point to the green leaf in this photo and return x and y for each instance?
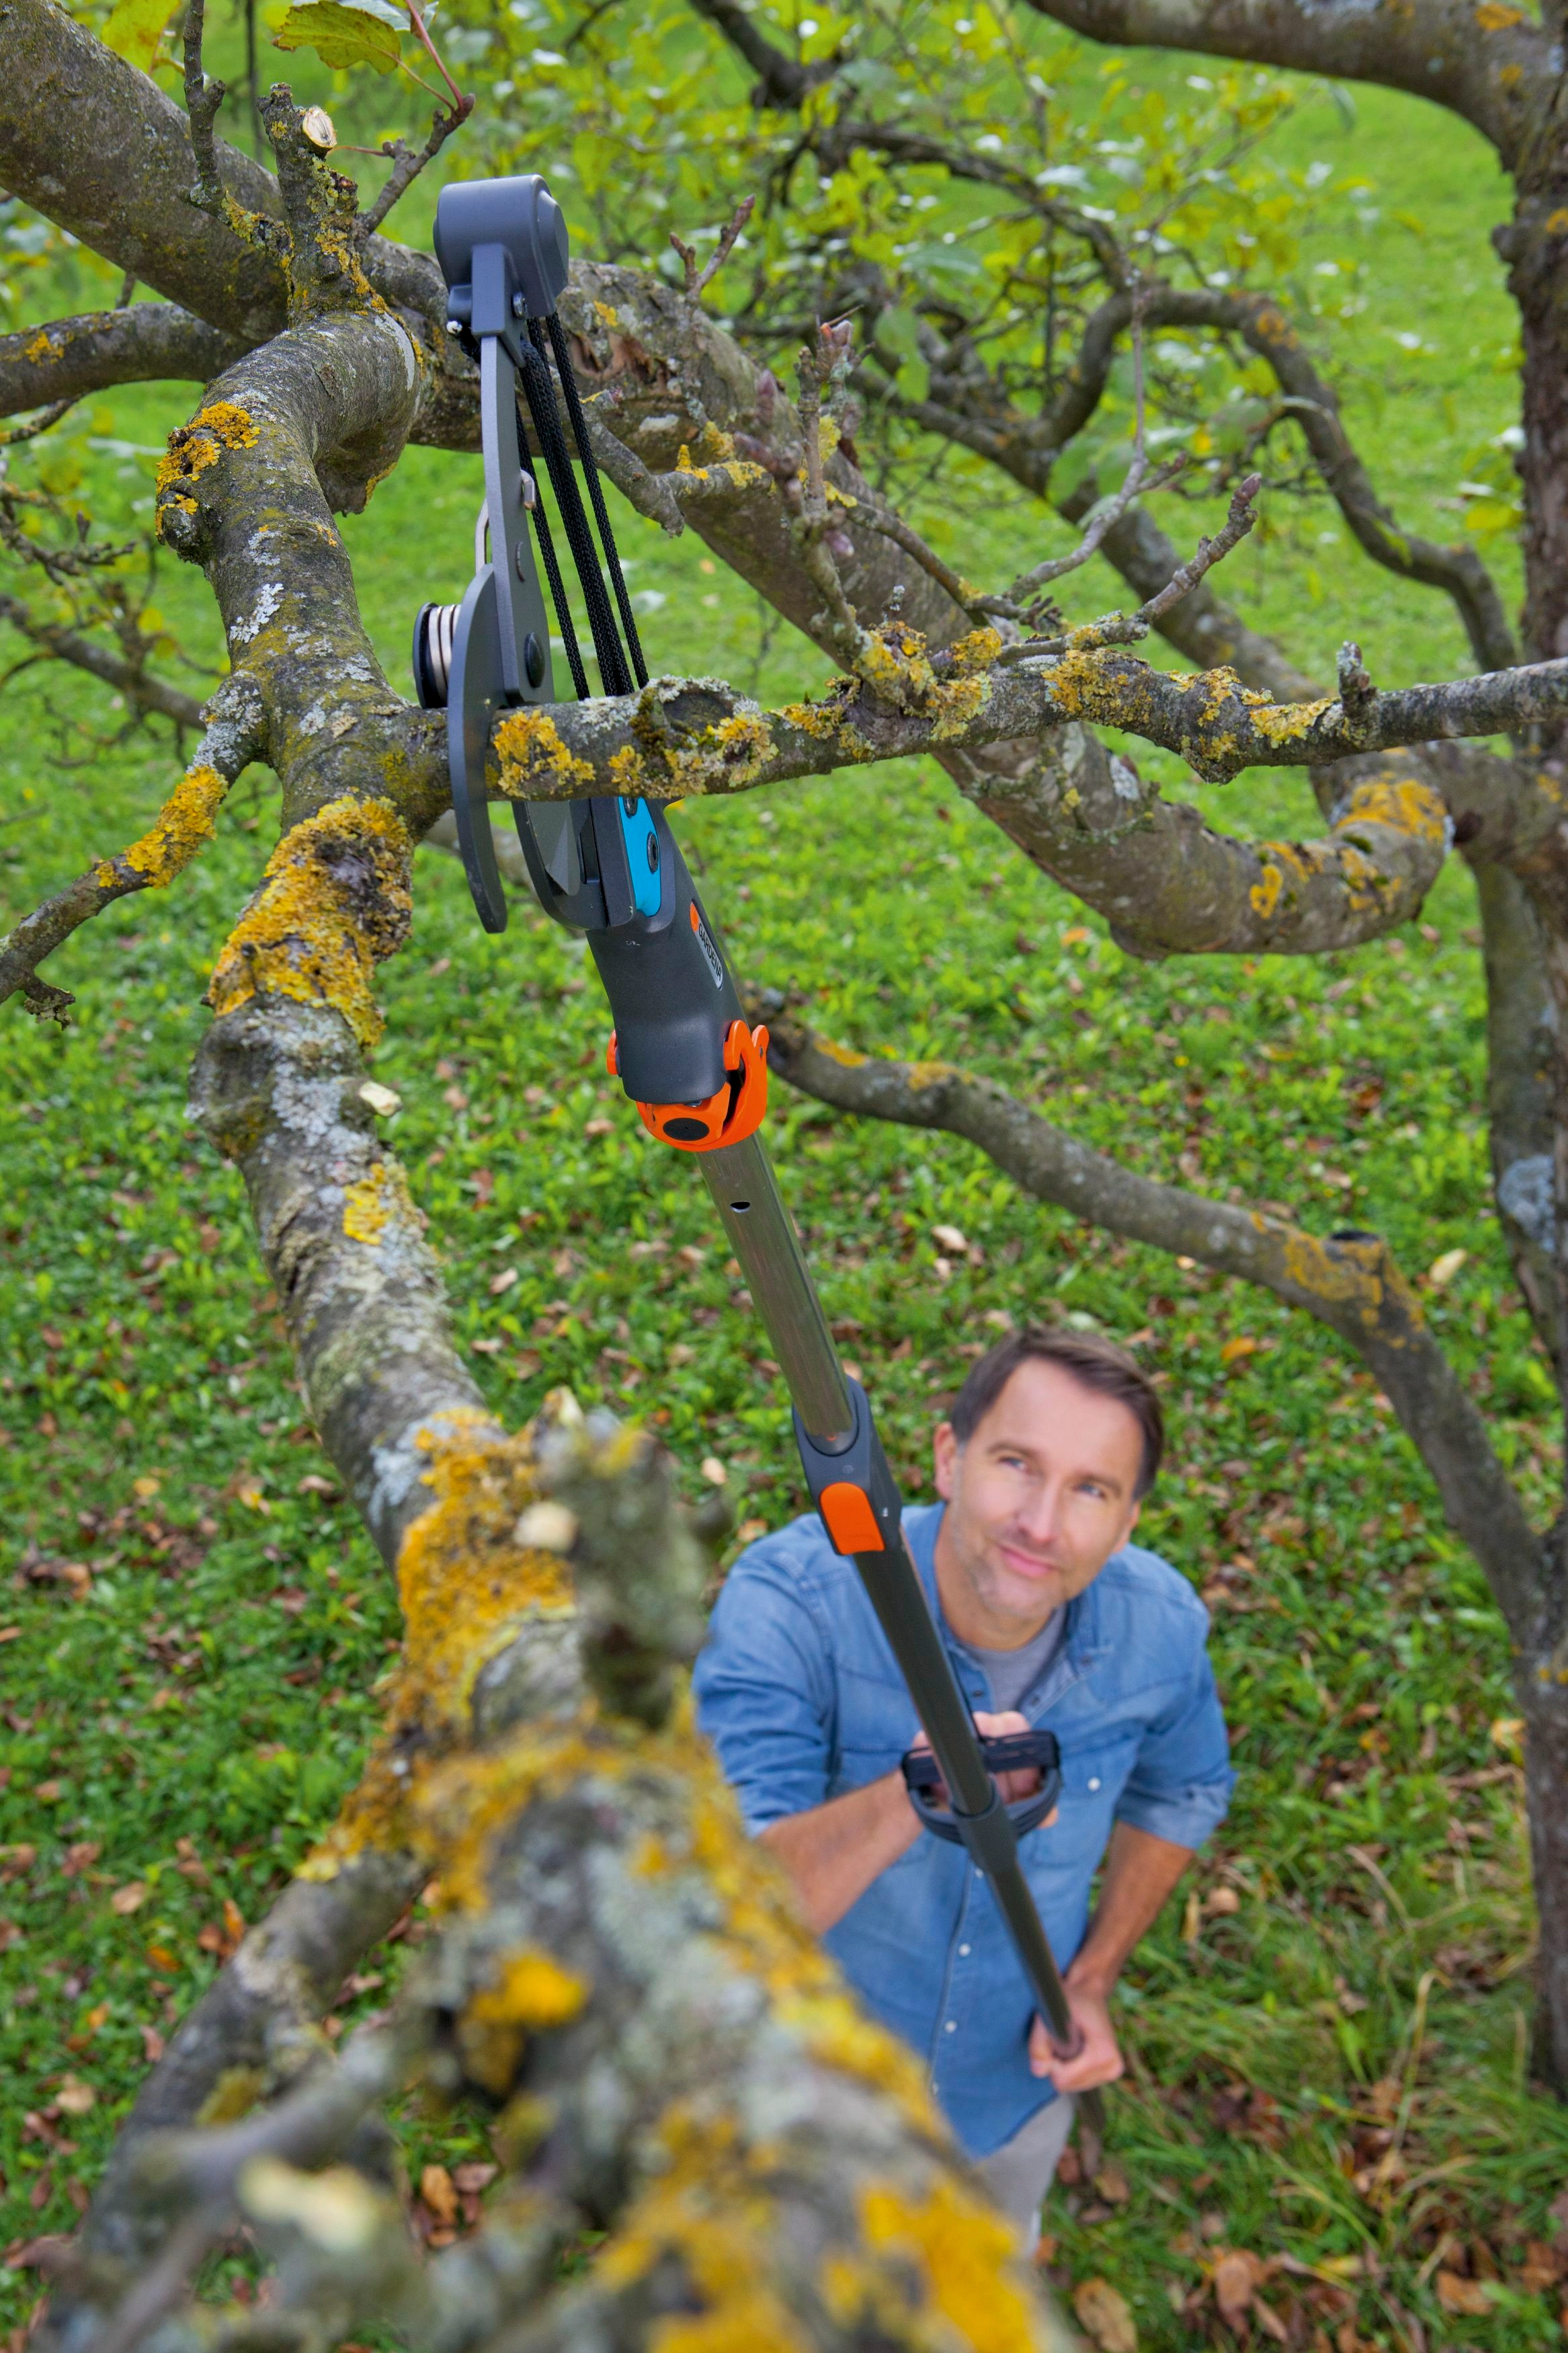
(341, 36)
(135, 28)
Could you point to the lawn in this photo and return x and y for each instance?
(1328, 2035)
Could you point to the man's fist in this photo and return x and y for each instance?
(1097, 2061)
(1021, 1783)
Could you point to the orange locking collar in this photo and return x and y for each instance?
(727, 1117)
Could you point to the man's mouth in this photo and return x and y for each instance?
(1029, 1564)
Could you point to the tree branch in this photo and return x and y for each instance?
(147, 692)
(58, 72)
(782, 81)
(187, 820)
(1433, 49)
(145, 343)
(685, 736)
(1349, 1281)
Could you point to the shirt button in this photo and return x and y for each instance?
(950, 2027)
(1094, 1781)
(963, 1952)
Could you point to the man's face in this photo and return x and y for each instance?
(1038, 1500)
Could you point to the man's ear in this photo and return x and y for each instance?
(944, 1453)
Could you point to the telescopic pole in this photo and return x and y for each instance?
(610, 869)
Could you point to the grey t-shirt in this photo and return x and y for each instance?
(1011, 1673)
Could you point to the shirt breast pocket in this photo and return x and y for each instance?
(876, 1723)
(1093, 1778)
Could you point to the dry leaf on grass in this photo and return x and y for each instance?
(128, 1898)
(1457, 2294)
(436, 2189)
(1112, 2183)
(1106, 2316)
(75, 2097)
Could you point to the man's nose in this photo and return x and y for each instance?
(1041, 1514)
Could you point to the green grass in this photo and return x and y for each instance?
(201, 1622)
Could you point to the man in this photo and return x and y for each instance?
(1052, 1618)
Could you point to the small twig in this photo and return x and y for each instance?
(127, 287)
(203, 99)
(1208, 552)
(1358, 696)
(406, 164)
(1127, 628)
(698, 280)
(10, 435)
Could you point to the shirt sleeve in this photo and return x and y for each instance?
(1178, 1788)
(765, 1690)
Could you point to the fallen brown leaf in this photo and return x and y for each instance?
(1457, 2294)
(1112, 2183)
(436, 2188)
(74, 2096)
(1236, 2275)
(1106, 2316)
(128, 1898)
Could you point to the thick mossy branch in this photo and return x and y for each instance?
(622, 1978)
(1493, 68)
(684, 736)
(277, 1089)
(1348, 1281)
(187, 820)
(334, 904)
(147, 343)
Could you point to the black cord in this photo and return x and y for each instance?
(553, 575)
(595, 491)
(539, 387)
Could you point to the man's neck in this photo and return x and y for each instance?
(967, 1615)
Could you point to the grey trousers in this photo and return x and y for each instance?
(1019, 2173)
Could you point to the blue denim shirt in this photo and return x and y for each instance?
(798, 1692)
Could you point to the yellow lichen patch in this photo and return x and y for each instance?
(333, 903)
(966, 2253)
(371, 1205)
(187, 818)
(194, 447)
(1404, 803)
(536, 764)
(976, 651)
(1557, 222)
(605, 315)
(42, 346)
(931, 1074)
(465, 1581)
(533, 1994)
(628, 773)
(1264, 892)
(845, 1056)
(1284, 722)
(234, 2095)
(1348, 1272)
(1498, 16)
(710, 2207)
(732, 753)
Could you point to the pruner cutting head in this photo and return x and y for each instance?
(522, 217)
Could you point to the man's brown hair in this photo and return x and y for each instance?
(1095, 1363)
